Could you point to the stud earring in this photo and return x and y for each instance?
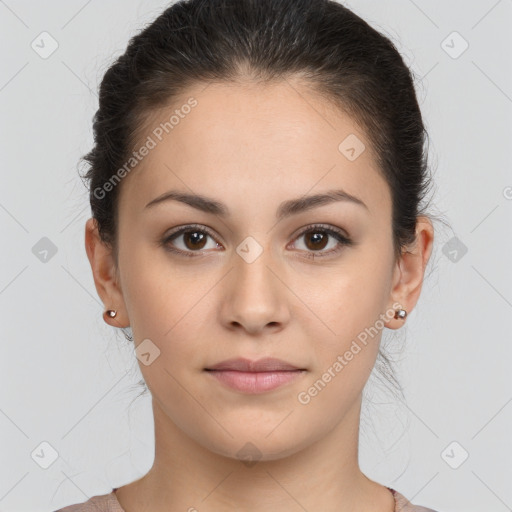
(400, 313)
(111, 313)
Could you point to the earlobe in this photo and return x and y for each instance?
(104, 274)
(410, 270)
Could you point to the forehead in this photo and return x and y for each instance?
(246, 139)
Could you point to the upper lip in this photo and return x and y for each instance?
(267, 364)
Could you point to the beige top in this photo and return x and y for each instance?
(109, 503)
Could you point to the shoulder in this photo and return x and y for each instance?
(404, 505)
(103, 503)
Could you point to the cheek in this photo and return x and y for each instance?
(152, 286)
(348, 303)
(349, 298)
(146, 292)
(345, 342)
(168, 304)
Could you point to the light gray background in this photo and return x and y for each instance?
(67, 379)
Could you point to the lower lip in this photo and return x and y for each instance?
(255, 382)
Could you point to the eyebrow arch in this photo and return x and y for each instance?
(286, 208)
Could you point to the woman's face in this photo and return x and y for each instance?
(244, 284)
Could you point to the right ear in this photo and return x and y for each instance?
(104, 272)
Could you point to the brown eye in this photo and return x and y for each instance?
(189, 240)
(316, 240)
(194, 239)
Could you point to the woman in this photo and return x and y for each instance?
(257, 187)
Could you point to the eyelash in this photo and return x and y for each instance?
(196, 228)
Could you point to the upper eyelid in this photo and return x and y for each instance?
(209, 231)
(191, 227)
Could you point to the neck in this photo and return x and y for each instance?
(323, 476)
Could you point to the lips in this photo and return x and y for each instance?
(255, 382)
(267, 364)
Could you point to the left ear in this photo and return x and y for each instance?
(410, 270)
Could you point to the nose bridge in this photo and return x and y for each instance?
(257, 296)
(253, 261)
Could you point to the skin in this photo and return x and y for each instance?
(252, 147)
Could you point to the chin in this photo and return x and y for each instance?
(259, 447)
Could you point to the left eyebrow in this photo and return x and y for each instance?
(302, 204)
(286, 208)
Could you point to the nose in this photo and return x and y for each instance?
(256, 296)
